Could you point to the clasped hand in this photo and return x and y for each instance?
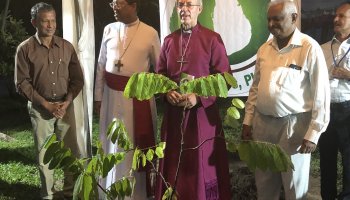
(58, 109)
(181, 100)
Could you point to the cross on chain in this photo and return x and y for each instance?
(182, 61)
(119, 64)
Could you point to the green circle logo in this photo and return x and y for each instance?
(254, 11)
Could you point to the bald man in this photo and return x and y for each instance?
(288, 103)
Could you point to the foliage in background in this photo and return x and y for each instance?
(13, 35)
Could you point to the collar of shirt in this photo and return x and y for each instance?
(340, 45)
(295, 41)
(54, 41)
(347, 41)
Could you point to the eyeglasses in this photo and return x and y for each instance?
(116, 4)
(189, 5)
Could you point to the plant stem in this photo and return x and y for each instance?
(181, 149)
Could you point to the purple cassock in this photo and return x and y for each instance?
(203, 173)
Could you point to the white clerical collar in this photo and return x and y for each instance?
(187, 31)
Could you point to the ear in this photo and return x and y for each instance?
(33, 22)
(134, 5)
(200, 9)
(294, 17)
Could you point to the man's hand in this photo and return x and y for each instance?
(50, 107)
(247, 132)
(340, 73)
(174, 98)
(188, 101)
(61, 110)
(307, 147)
(97, 107)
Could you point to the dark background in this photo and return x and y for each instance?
(317, 18)
(103, 14)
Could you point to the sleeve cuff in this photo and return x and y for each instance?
(248, 118)
(312, 136)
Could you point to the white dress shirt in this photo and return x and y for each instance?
(289, 81)
(340, 88)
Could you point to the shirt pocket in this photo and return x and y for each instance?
(288, 78)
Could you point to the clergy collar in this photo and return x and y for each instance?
(187, 31)
(193, 29)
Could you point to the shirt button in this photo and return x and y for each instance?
(53, 83)
(51, 62)
(54, 95)
(52, 72)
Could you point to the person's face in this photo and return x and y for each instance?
(280, 24)
(45, 23)
(122, 10)
(342, 20)
(188, 11)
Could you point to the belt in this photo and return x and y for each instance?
(55, 99)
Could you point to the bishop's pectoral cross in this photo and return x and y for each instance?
(182, 62)
(119, 64)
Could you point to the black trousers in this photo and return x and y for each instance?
(336, 138)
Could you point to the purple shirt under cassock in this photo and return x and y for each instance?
(204, 172)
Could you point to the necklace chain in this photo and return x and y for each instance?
(125, 38)
(183, 51)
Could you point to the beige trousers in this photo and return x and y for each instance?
(45, 124)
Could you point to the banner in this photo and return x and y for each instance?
(242, 25)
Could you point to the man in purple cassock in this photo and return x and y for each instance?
(203, 172)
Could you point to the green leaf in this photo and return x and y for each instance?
(91, 167)
(150, 154)
(66, 155)
(167, 194)
(108, 163)
(119, 188)
(145, 85)
(127, 186)
(238, 103)
(51, 149)
(233, 112)
(231, 147)
(162, 145)
(119, 157)
(57, 157)
(212, 85)
(160, 152)
(144, 159)
(230, 80)
(111, 128)
(68, 161)
(87, 186)
(49, 140)
(78, 186)
(231, 122)
(135, 159)
(265, 156)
